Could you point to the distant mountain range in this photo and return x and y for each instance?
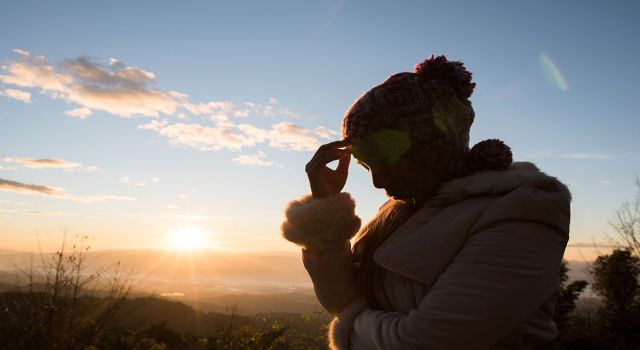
(211, 280)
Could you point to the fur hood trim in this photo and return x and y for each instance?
(497, 182)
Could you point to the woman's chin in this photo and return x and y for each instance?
(397, 196)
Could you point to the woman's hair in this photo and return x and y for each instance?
(389, 218)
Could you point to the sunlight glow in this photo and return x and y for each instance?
(189, 238)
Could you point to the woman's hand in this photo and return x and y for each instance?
(323, 180)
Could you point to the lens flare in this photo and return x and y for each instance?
(553, 73)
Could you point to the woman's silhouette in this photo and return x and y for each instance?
(466, 252)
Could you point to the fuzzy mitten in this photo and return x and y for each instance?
(321, 224)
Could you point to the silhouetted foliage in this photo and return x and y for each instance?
(566, 303)
(626, 224)
(616, 281)
(616, 322)
(60, 305)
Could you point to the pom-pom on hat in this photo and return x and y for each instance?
(429, 111)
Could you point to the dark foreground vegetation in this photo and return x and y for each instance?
(148, 323)
(58, 304)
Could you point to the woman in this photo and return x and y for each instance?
(466, 252)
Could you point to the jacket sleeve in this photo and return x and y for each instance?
(503, 273)
(323, 227)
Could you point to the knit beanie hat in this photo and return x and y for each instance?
(425, 117)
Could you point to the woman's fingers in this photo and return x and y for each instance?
(335, 144)
(321, 159)
(327, 153)
(343, 163)
(323, 180)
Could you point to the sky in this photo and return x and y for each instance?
(148, 124)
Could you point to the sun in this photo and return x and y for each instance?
(189, 238)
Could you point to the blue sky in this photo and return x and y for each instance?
(286, 71)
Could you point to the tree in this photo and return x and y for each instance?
(59, 303)
(616, 281)
(626, 224)
(567, 300)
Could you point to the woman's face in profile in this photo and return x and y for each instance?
(381, 154)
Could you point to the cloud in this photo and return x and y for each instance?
(605, 182)
(153, 125)
(222, 136)
(255, 159)
(55, 192)
(587, 156)
(269, 110)
(32, 163)
(216, 110)
(289, 136)
(129, 91)
(100, 197)
(16, 94)
(230, 136)
(18, 187)
(34, 71)
(81, 113)
(576, 156)
(224, 110)
(325, 133)
(46, 213)
(591, 245)
(127, 180)
(115, 88)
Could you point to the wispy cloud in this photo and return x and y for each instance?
(47, 213)
(115, 88)
(80, 113)
(577, 156)
(16, 94)
(289, 136)
(256, 159)
(128, 91)
(55, 192)
(36, 212)
(32, 163)
(230, 136)
(19, 187)
(127, 180)
(592, 156)
(591, 245)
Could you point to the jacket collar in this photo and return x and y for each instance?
(497, 182)
(423, 254)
